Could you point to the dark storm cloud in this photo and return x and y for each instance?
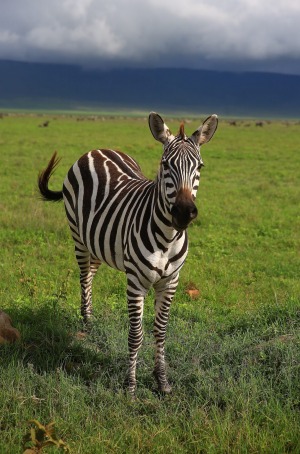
(236, 34)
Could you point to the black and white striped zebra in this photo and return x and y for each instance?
(119, 217)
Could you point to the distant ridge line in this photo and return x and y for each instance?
(33, 85)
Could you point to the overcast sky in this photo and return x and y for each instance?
(211, 34)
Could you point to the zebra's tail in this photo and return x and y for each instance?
(43, 181)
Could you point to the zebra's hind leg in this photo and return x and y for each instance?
(94, 265)
(163, 299)
(88, 267)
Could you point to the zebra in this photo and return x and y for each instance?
(119, 217)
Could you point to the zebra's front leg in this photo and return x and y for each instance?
(163, 299)
(135, 337)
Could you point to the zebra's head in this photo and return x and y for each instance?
(180, 166)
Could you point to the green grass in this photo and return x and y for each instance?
(233, 352)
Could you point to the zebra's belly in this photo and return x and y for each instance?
(108, 251)
(150, 267)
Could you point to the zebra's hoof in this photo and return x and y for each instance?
(130, 389)
(130, 395)
(87, 325)
(163, 385)
(165, 389)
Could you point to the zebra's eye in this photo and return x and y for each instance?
(200, 166)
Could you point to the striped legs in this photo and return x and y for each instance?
(163, 299)
(135, 337)
(88, 268)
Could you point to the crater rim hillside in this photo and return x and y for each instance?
(58, 86)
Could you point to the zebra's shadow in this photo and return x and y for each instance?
(53, 340)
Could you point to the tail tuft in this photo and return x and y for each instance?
(43, 181)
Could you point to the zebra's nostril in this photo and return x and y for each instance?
(193, 213)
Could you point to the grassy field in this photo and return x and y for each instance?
(233, 350)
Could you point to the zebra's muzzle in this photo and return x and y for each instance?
(183, 211)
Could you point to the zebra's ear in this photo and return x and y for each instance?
(205, 132)
(159, 129)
